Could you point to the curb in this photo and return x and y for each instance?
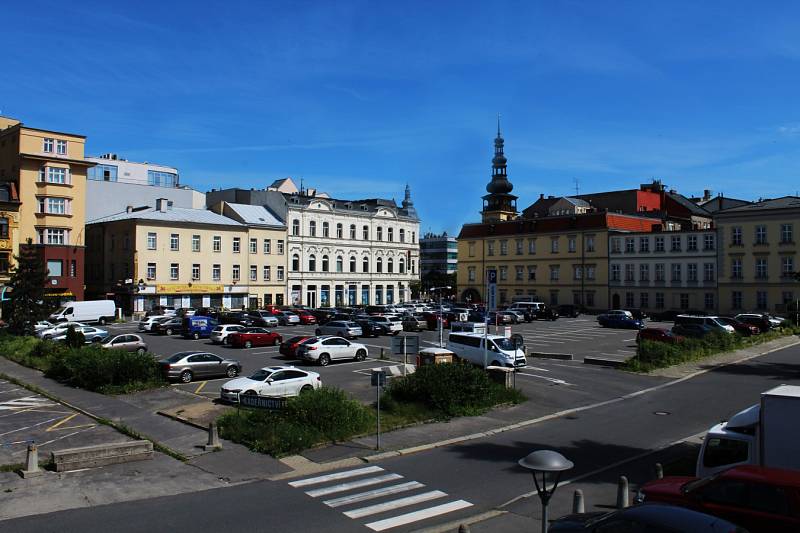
(600, 361)
(560, 356)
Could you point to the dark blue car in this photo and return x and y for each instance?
(619, 321)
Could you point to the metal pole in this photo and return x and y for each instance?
(441, 320)
(378, 418)
(486, 328)
(544, 517)
(405, 357)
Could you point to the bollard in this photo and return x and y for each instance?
(382, 356)
(213, 438)
(659, 471)
(31, 463)
(623, 500)
(463, 528)
(577, 502)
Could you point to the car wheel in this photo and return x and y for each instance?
(141, 351)
(360, 355)
(275, 341)
(306, 388)
(317, 332)
(232, 372)
(195, 336)
(186, 376)
(495, 363)
(251, 393)
(226, 341)
(96, 340)
(102, 321)
(324, 360)
(169, 331)
(342, 334)
(248, 344)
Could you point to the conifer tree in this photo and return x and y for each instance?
(27, 291)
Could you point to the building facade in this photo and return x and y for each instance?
(663, 271)
(45, 170)
(438, 253)
(759, 255)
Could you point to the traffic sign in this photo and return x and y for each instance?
(262, 402)
(491, 289)
(378, 378)
(405, 344)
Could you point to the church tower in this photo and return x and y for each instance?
(499, 204)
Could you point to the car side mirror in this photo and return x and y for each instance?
(269, 380)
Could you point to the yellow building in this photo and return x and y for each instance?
(759, 256)
(557, 260)
(46, 171)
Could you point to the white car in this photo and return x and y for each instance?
(325, 349)
(149, 323)
(219, 335)
(393, 322)
(342, 328)
(60, 329)
(273, 381)
(43, 324)
(91, 334)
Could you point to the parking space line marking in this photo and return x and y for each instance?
(552, 380)
(9, 390)
(200, 387)
(63, 420)
(67, 435)
(29, 427)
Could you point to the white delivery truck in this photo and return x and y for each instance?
(765, 434)
(100, 311)
(499, 351)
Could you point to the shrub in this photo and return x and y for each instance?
(108, 371)
(330, 411)
(75, 339)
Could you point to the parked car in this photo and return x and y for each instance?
(306, 317)
(237, 317)
(740, 327)
(91, 334)
(370, 328)
(414, 323)
(544, 312)
(249, 337)
(289, 347)
(649, 518)
(42, 325)
(325, 349)
(287, 318)
(341, 328)
(638, 313)
(198, 327)
(273, 381)
(762, 322)
(432, 320)
(620, 321)
(517, 317)
(148, 323)
(89, 311)
(776, 321)
(263, 319)
(499, 318)
(568, 310)
(185, 366)
(219, 335)
(157, 310)
(695, 331)
(127, 342)
(393, 323)
(658, 335)
(757, 498)
(170, 326)
(713, 322)
(57, 330)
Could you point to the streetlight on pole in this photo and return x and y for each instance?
(441, 313)
(545, 461)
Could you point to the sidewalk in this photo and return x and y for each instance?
(234, 463)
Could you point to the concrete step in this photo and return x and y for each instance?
(101, 455)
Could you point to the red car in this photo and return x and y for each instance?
(740, 327)
(306, 317)
(289, 347)
(658, 335)
(254, 337)
(432, 320)
(765, 500)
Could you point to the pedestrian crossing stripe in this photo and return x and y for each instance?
(391, 371)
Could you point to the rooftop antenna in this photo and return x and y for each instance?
(577, 186)
(301, 186)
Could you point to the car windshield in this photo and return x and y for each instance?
(261, 375)
(505, 344)
(174, 358)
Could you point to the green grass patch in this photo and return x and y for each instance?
(654, 355)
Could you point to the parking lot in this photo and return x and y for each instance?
(578, 337)
(26, 417)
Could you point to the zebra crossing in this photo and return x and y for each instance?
(378, 507)
(391, 370)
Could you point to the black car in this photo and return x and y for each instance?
(322, 315)
(568, 310)
(543, 313)
(653, 517)
(370, 328)
(237, 317)
(169, 327)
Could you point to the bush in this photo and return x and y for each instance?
(75, 339)
(452, 389)
(315, 417)
(108, 371)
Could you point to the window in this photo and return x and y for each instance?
(554, 245)
(490, 248)
(174, 271)
(577, 272)
(659, 276)
(253, 246)
(736, 236)
(390, 265)
(195, 272)
(503, 273)
(590, 243)
(590, 270)
(644, 244)
(267, 246)
(684, 300)
(554, 270)
(691, 243)
(151, 271)
(708, 272)
(102, 173)
(280, 246)
(787, 266)
(615, 273)
(659, 244)
(616, 246)
(47, 145)
(531, 246)
(365, 233)
(73, 268)
(216, 272)
(531, 272)
(644, 272)
(590, 299)
(365, 265)
(571, 245)
(761, 235)
(721, 451)
(217, 243)
(736, 299)
(761, 268)
(471, 274)
(53, 236)
(253, 273)
(267, 273)
(691, 272)
(787, 233)
(61, 147)
(709, 300)
(659, 300)
(708, 241)
(339, 231)
(761, 300)
(629, 245)
(54, 268)
(3, 228)
(195, 243)
(676, 271)
(237, 245)
(379, 233)
(326, 230)
(54, 175)
(629, 300)
(353, 264)
(312, 263)
(401, 266)
(174, 242)
(413, 237)
(629, 272)
(54, 206)
(379, 265)
(402, 235)
(339, 264)
(162, 179)
(295, 227)
(503, 247)
(519, 273)
(295, 263)
(676, 243)
(236, 273)
(280, 276)
(644, 300)
(325, 263)
(390, 234)
(736, 268)
(518, 245)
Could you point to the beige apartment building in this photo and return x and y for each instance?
(759, 255)
(167, 255)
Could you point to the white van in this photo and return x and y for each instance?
(100, 311)
(501, 351)
(531, 307)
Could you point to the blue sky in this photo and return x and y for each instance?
(360, 98)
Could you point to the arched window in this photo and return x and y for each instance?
(353, 231)
(312, 263)
(365, 265)
(401, 266)
(324, 263)
(339, 264)
(295, 227)
(365, 232)
(326, 230)
(312, 228)
(379, 234)
(379, 265)
(402, 235)
(338, 231)
(295, 263)
(390, 234)
(390, 265)
(352, 264)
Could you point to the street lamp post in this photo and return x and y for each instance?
(545, 461)
(441, 313)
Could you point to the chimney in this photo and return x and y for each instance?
(541, 196)
(706, 194)
(129, 209)
(162, 205)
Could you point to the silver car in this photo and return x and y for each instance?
(342, 328)
(287, 318)
(186, 366)
(129, 343)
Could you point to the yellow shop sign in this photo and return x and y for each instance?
(194, 288)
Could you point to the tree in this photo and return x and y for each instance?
(75, 339)
(27, 291)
